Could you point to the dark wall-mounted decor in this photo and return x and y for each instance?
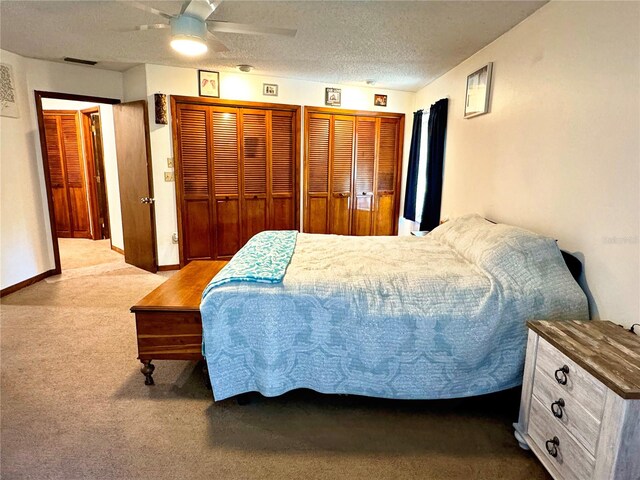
(161, 109)
(333, 97)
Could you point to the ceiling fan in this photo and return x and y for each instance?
(191, 30)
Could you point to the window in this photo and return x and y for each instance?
(421, 189)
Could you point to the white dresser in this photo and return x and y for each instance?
(580, 408)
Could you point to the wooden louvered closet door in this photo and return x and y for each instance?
(197, 209)
(67, 173)
(351, 173)
(254, 173)
(364, 175)
(341, 166)
(317, 173)
(387, 173)
(226, 181)
(236, 175)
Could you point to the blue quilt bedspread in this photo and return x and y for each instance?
(440, 316)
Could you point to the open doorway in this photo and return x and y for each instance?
(80, 168)
(92, 149)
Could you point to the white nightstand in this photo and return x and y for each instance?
(580, 408)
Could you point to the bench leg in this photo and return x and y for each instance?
(147, 370)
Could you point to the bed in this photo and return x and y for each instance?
(439, 316)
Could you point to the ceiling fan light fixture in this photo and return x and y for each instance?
(188, 35)
(187, 45)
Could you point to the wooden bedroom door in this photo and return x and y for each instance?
(67, 173)
(131, 122)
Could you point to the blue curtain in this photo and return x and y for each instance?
(412, 171)
(437, 132)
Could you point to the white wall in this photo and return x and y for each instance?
(559, 152)
(184, 81)
(25, 234)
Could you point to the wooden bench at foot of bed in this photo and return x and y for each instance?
(168, 322)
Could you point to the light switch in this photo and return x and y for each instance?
(168, 176)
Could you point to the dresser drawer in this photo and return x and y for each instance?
(572, 461)
(569, 412)
(585, 389)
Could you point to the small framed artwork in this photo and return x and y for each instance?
(332, 96)
(478, 91)
(379, 100)
(270, 89)
(8, 99)
(208, 84)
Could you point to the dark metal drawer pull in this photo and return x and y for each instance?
(556, 408)
(561, 375)
(552, 446)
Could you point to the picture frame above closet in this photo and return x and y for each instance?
(208, 84)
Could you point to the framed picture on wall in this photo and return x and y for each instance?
(270, 89)
(9, 97)
(379, 100)
(208, 84)
(478, 92)
(333, 97)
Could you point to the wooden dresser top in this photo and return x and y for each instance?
(183, 291)
(607, 351)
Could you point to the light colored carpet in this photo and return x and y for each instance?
(74, 406)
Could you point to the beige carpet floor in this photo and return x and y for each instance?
(74, 405)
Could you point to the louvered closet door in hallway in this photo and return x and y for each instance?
(67, 173)
(236, 173)
(351, 174)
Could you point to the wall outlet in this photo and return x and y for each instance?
(174, 237)
(170, 162)
(168, 176)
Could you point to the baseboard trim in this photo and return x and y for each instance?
(164, 268)
(116, 249)
(27, 282)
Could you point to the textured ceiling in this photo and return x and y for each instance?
(400, 45)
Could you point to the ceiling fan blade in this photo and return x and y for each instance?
(154, 26)
(214, 44)
(147, 8)
(137, 28)
(230, 27)
(198, 8)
